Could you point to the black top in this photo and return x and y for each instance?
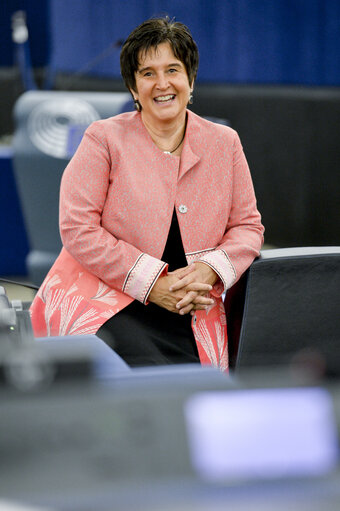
(150, 335)
(174, 253)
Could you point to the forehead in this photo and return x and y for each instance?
(155, 54)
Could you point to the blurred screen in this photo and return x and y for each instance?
(266, 433)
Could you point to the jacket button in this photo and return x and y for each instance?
(182, 208)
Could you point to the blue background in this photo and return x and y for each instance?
(240, 41)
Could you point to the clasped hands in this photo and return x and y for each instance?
(185, 290)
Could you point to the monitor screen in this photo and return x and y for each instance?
(261, 433)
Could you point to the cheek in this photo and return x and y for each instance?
(143, 90)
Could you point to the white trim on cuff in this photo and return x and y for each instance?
(219, 261)
(142, 276)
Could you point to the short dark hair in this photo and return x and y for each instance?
(149, 35)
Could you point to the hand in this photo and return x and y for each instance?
(162, 296)
(192, 282)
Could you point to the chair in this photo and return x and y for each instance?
(49, 127)
(286, 310)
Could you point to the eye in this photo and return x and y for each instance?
(147, 73)
(172, 70)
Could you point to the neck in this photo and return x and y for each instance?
(166, 136)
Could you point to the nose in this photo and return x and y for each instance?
(162, 81)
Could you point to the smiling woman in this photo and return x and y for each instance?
(158, 217)
(160, 75)
(163, 91)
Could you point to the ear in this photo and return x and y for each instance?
(134, 94)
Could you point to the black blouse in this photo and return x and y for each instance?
(150, 335)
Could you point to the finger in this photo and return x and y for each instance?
(195, 300)
(192, 308)
(203, 300)
(186, 310)
(186, 300)
(190, 282)
(180, 284)
(199, 287)
(198, 307)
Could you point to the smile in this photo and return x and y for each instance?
(165, 99)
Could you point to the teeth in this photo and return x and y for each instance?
(165, 98)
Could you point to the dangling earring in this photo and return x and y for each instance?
(191, 99)
(138, 106)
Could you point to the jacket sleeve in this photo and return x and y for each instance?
(83, 192)
(243, 237)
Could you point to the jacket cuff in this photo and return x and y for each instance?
(142, 277)
(219, 261)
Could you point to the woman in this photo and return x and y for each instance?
(158, 217)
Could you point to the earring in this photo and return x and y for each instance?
(138, 106)
(191, 99)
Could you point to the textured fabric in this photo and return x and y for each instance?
(117, 197)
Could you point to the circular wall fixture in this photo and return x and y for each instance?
(52, 123)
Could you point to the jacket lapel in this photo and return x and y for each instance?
(188, 157)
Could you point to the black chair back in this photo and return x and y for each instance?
(291, 310)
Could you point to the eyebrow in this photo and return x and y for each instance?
(174, 64)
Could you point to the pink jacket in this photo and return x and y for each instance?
(116, 203)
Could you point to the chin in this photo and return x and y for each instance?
(170, 114)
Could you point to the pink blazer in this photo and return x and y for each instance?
(117, 198)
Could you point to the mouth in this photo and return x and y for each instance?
(163, 100)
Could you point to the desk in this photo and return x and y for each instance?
(122, 444)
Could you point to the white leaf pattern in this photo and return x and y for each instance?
(205, 340)
(223, 318)
(53, 300)
(105, 294)
(72, 289)
(67, 310)
(221, 345)
(92, 329)
(46, 287)
(108, 313)
(82, 321)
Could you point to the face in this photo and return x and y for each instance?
(162, 85)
